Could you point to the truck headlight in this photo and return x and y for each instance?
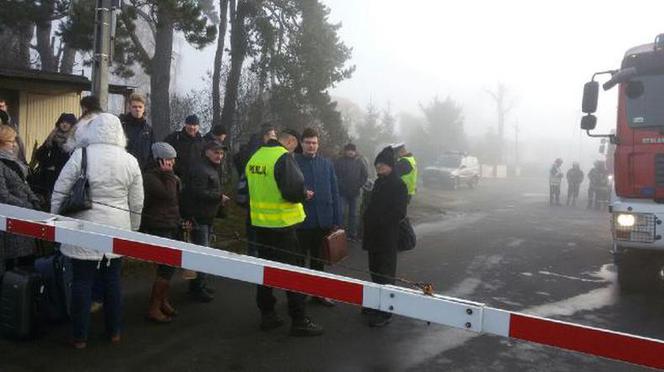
(625, 220)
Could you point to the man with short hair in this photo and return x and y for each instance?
(276, 193)
(140, 136)
(352, 174)
(202, 196)
(323, 212)
(217, 133)
(406, 168)
(188, 143)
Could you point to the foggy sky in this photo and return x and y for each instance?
(406, 52)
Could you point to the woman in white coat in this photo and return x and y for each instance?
(116, 188)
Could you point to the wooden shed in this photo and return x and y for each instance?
(37, 98)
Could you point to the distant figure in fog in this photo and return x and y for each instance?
(352, 175)
(598, 190)
(574, 180)
(555, 179)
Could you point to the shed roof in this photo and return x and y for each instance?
(78, 82)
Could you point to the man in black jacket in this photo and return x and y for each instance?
(202, 197)
(352, 175)
(188, 143)
(276, 193)
(139, 133)
(386, 209)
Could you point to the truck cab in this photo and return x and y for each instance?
(637, 208)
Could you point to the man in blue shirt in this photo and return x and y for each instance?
(323, 210)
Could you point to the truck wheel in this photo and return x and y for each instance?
(639, 271)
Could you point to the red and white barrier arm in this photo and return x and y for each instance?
(448, 311)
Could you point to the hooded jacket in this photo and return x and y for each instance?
(116, 185)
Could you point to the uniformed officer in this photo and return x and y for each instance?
(276, 193)
(407, 169)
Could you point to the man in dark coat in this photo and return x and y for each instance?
(139, 133)
(352, 175)
(574, 180)
(188, 144)
(323, 210)
(202, 197)
(387, 207)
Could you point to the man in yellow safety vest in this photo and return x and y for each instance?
(407, 169)
(276, 193)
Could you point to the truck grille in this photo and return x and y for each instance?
(659, 170)
(643, 230)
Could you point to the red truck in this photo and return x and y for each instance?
(637, 208)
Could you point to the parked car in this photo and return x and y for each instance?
(452, 170)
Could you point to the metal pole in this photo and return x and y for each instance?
(102, 50)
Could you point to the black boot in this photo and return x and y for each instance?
(270, 321)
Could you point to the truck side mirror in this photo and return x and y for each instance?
(590, 96)
(588, 122)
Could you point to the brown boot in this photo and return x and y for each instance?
(159, 290)
(168, 309)
(166, 306)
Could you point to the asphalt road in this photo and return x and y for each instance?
(500, 244)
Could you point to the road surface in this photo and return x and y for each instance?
(500, 244)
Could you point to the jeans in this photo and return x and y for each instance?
(285, 241)
(200, 235)
(84, 274)
(349, 205)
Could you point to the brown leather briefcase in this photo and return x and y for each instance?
(334, 247)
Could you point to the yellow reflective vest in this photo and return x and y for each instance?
(266, 205)
(410, 179)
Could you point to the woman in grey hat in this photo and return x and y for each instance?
(161, 217)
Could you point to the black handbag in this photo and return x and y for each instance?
(78, 198)
(407, 238)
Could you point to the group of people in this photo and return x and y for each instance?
(173, 189)
(598, 188)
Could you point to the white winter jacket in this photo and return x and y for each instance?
(116, 185)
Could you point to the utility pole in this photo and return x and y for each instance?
(516, 144)
(104, 30)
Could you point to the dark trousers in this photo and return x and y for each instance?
(164, 271)
(285, 241)
(383, 267)
(200, 235)
(252, 249)
(572, 193)
(554, 194)
(84, 274)
(349, 205)
(311, 242)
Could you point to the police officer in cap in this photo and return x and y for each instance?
(276, 193)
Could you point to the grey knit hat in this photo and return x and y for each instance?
(163, 150)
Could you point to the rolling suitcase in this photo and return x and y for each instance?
(56, 274)
(19, 303)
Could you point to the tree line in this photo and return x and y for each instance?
(275, 60)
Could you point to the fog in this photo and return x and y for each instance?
(408, 52)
